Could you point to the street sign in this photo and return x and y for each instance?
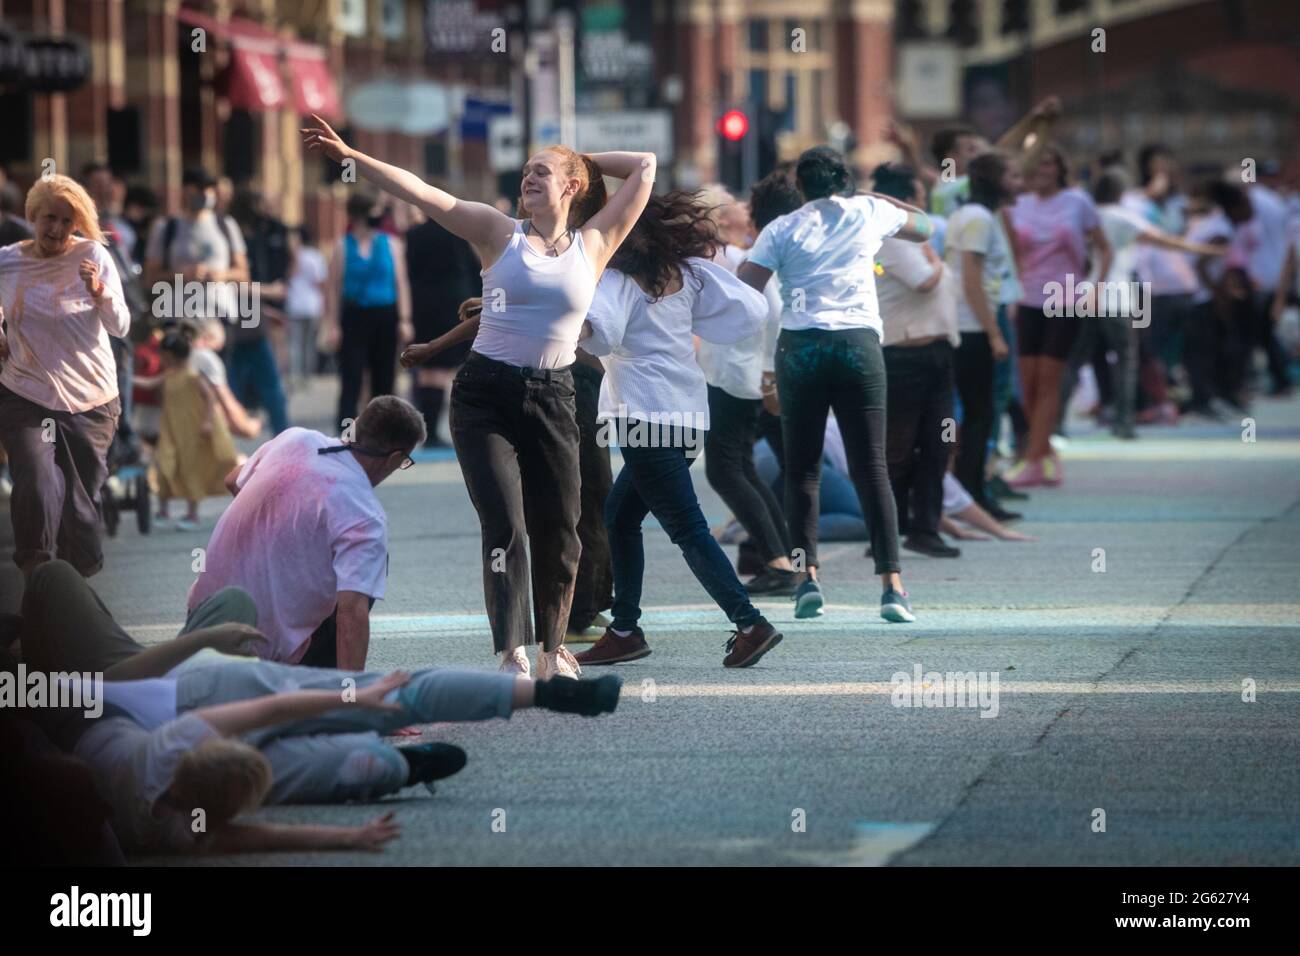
(929, 80)
(642, 131)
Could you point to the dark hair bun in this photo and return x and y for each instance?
(822, 172)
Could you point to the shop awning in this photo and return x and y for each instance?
(253, 79)
(313, 87)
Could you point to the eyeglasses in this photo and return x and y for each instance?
(407, 460)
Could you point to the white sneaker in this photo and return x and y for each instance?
(515, 662)
(558, 663)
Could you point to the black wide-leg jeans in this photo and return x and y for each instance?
(517, 441)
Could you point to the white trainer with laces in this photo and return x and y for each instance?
(558, 663)
(515, 662)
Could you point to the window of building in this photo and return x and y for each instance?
(817, 78)
(758, 87)
(16, 120)
(1070, 6)
(239, 142)
(963, 24)
(124, 141)
(787, 123)
(1015, 16)
(908, 22)
(758, 36)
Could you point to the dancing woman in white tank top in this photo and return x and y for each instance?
(512, 406)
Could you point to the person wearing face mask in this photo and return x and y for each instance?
(60, 301)
(198, 246)
(369, 310)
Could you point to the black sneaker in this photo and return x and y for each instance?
(582, 696)
(1000, 513)
(931, 545)
(773, 581)
(998, 488)
(430, 762)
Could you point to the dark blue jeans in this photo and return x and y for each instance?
(657, 480)
(255, 380)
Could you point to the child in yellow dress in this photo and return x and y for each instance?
(195, 451)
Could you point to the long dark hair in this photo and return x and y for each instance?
(673, 228)
(986, 172)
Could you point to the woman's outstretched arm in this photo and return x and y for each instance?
(481, 225)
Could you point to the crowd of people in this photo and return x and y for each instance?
(889, 364)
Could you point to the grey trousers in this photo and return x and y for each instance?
(57, 461)
(339, 755)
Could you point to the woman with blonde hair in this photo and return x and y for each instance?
(512, 405)
(60, 301)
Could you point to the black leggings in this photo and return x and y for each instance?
(729, 466)
(368, 342)
(819, 370)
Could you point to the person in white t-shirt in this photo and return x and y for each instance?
(977, 252)
(308, 539)
(918, 304)
(159, 781)
(739, 375)
(304, 302)
(829, 355)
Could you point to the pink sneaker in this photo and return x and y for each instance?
(1024, 474)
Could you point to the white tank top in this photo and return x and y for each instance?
(534, 304)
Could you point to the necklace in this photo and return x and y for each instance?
(550, 246)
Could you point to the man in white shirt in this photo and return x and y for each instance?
(307, 538)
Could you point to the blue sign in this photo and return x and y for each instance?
(474, 119)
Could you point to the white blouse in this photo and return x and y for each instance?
(738, 368)
(646, 346)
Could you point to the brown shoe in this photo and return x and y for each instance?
(612, 649)
(744, 649)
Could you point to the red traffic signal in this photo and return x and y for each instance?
(733, 125)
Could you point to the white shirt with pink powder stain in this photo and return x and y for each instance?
(59, 354)
(303, 527)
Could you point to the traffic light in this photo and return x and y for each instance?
(733, 125)
(733, 143)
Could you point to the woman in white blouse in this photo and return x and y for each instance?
(60, 300)
(660, 289)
